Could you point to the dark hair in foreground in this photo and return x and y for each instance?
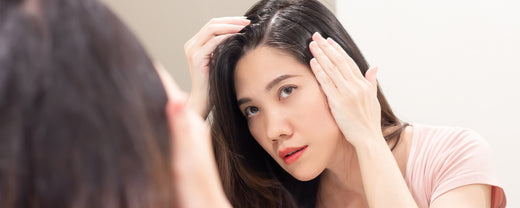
(82, 110)
(251, 178)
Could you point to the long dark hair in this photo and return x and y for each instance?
(250, 176)
(82, 110)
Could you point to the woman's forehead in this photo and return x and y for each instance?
(267, 62)
(261, 66)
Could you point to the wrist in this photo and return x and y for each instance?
(369, 141)
(199, 102)
(200, 188)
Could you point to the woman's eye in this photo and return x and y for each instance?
(251, 111)
(286, 91)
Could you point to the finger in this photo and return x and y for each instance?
(213, 30)
(371, 76)
(337, 58)
(213, 43)
(173, 92)
(203, 54)
(353, 66)
(326, 83)
(201, 37)
(326, 65)
(240, 20)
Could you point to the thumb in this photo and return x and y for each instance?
(371, 75)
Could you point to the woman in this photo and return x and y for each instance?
(299, 120)
(83, 116)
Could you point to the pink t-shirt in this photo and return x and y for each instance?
(445, 158)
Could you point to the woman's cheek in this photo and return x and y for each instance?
(254, 130)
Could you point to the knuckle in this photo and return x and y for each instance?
(212, 28)
(356, 93)
(366, 90)
(189, 52)
(324, 79)
(336, 59)
(320, 76)
(196, 55)
(365, 86)
(341, 59)
(329, 81)
(187, 46)
(329, 47)
(337, 71)
(217, 39)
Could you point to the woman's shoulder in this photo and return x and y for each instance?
(445, 138)
(442, 148)
(443, 158)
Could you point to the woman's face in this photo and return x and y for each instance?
(287, 111)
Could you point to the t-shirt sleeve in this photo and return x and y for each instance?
(466, 158)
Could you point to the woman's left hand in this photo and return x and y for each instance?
(352, 97)
(194, 169)
(354, 105)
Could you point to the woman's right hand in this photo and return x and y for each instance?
(198, 52)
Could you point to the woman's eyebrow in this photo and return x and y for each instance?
(268, 87)
(278, 80)
(243, 100)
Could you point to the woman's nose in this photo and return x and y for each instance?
(278, 126)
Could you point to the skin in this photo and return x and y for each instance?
(334, 110)
(353, 103)
(281, 120)
(194, 170)
(198, 53)
(295, 112)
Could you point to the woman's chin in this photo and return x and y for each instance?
(304, 175)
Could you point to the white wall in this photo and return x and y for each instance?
(448, 62)
(443, 62)
(163, 26)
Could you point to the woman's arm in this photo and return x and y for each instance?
(382, 180)
(198, 52)
(353, 102)
(194, 170)
(195, 174)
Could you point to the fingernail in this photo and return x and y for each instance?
(316, 35)
(313, 44)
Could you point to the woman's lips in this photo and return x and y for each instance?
(291, 154)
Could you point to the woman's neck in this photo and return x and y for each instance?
(341, 182)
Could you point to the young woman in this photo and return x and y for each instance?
(300, 121)
(83, 120)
